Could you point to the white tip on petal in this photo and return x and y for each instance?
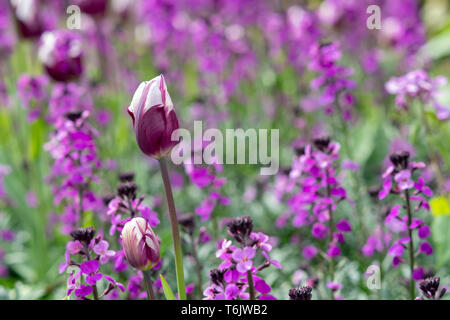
(137, 97)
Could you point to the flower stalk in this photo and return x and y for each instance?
(148, 285)
(251, 286)
(175, 230)
(411, 245)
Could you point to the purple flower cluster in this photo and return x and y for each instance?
(73, 148)
(333, 84)
(7, 39)
(207, 178)
(33, 94)
(401, 28)
(218, 43)
(232, 279)
(204, 177)
(418, 85)
(398, 180)
(316, 193)
(94, 252)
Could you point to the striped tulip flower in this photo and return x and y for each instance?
(154, 118)
(140, 244)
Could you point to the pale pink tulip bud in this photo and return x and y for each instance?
(140, 244)
(154, 118)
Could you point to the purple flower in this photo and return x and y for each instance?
(101, 249)
(344, 226)
(334, 286)
(395, 211)
(426, 248)
(418, 273)
(319, 231)
(403, 178)
(90, 268)
(424, 232)
(243, 258)
(262, 287)
(83, 291)
(386, 189)
(418, 85)
(333, 251)
(309, 252)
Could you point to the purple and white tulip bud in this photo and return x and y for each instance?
(92, 7)
(61, 51)
(140, 244)
(32, 18)
(154, 118)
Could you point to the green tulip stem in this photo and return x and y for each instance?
(175, 231)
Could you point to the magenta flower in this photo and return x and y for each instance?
(344, 226)
(424, 232)
(403, 178)
(426, 248)
(319, 231)
(74, 247)
(309, 252)
(154, 118)
(101, 249)
(90, 268)
(333, 251)
(243, 258)
(83, 291)
(334, 286)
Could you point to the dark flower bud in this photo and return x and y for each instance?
(303, 293)
(241, 228)
(299, 151)
(107, 199)
(84, 235)
(322, 143)
(126, 177)
(400, 160)
(373, 192)
(127, 190)
(216, 276)
(187, 221)
(73, 116)
(429, 287)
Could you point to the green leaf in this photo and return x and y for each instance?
(441, 237)
(167, 291)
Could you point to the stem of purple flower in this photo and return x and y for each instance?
(330, 237)
(198, 265)
(251, 286)
(80, 204)
(175, 230)
(411, 245)
(148, 285)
